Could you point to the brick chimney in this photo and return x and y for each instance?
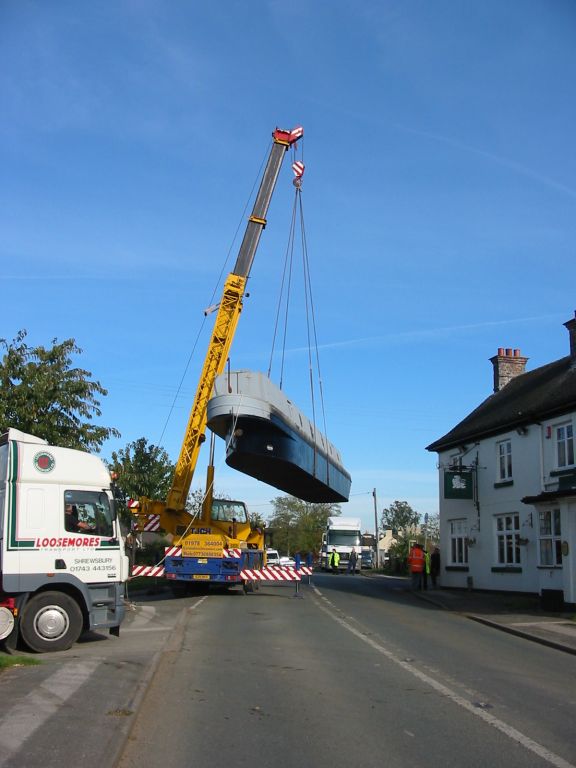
(508, 364)
(571, 325)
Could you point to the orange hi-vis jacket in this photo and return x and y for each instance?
(416, 560)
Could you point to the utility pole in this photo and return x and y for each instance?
(376, 527)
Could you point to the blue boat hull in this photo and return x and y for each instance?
(273, 453)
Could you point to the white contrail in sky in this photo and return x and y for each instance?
(489, 156)
(426, 333)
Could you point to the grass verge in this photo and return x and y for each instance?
(6, 660)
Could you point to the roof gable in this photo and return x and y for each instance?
(530, 397)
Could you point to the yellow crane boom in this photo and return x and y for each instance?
(172, 512)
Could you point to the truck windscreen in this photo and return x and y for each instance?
(344, 538)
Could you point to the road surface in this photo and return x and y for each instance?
(353, 669)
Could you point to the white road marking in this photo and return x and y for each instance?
(491, 720)
(25, 718)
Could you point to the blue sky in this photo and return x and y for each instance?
(439, 200)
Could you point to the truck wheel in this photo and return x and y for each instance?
(51, 621)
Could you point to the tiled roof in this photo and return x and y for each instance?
(528, 398)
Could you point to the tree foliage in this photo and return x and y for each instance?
(298, 525)
(42, 393)
(142, 470)
(195, 501)
(257, 520)
(400, 517)
(432, 528)
(404, 521)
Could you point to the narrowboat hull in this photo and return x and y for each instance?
(269, 439)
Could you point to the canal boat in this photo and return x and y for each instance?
(269, 438)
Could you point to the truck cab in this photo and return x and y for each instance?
(342, 534)
(63, 566)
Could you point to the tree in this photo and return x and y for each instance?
(403, 520)
(195, 501)
(256, 520)
(142, 469)
(433, 528)
(298, 525)
(43, 394)
(400, 517)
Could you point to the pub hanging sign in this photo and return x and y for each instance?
(458, 484)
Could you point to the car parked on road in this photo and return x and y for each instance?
(367, 559)
(272, 557)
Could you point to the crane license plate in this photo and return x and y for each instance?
(201, 577)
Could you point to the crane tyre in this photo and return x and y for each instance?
(51, 621)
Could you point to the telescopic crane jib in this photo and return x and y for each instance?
(172, 514)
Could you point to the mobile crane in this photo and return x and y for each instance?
(220, 543)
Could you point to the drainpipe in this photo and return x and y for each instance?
(475, 490)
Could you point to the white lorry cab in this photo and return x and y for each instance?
(342, 534)
(62, 561)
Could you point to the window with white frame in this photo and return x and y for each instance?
(507, 539)
(458, 542)
(565, 445)
(550, 531)
(504, 449)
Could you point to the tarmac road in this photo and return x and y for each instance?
(216, 666)
(357, 671)
(77, 705)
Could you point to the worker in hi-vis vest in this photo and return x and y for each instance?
(416, 564)
(334, 560)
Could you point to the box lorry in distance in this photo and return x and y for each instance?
(342, 534)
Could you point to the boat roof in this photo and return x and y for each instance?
(254, 385)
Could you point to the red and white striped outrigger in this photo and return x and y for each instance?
(152, 524)
(147, 570)
(275, 573)
(271, 573)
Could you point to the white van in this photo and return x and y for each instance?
(272, 557)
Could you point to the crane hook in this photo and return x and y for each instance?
(298, 168)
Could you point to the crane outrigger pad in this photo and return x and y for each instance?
(269, 439)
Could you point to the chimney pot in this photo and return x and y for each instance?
(508, 352)
(516, 353)
(500, 351)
